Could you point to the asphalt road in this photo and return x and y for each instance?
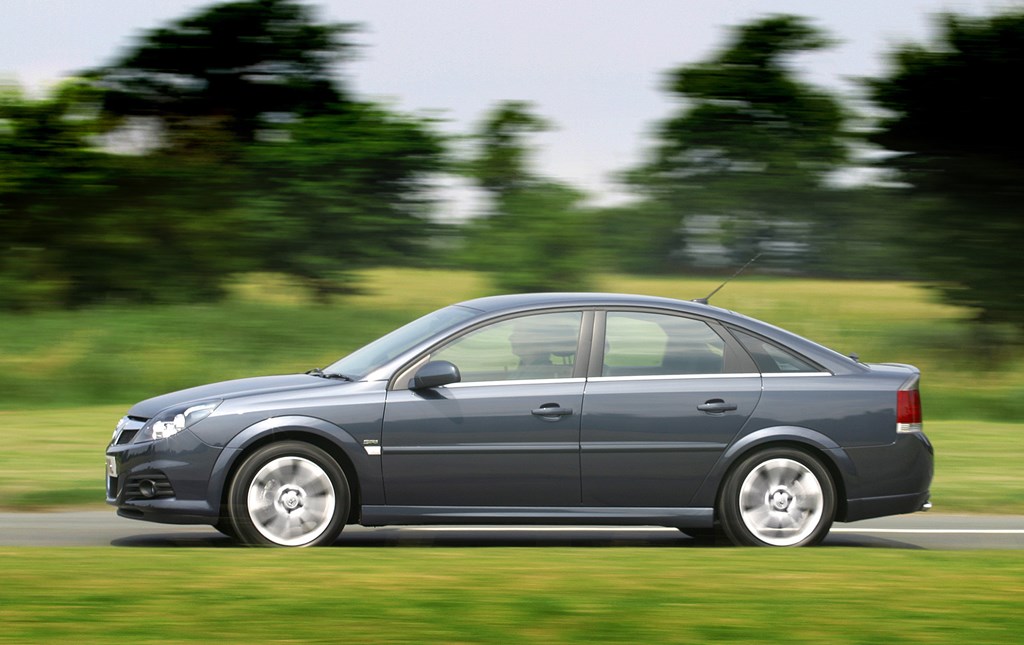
(104, 528)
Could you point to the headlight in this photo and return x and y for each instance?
(173, 420)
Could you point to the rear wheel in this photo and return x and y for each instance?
(778, 497)
(288, 494)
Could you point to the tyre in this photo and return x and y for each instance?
(288, 494)
(777, 497)
(706, 535)
(225, 526)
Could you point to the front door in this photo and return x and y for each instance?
(507, 435)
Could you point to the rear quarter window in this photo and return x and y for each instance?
(771, 358)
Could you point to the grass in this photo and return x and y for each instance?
(548, 595)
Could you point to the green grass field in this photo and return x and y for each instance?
(510, 595)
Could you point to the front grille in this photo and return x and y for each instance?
(127, 429)
(149, 486)
(125, 436)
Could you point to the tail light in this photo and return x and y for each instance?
(908, 408)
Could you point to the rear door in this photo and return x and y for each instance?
(667, 394)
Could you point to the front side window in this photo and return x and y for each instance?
(649, 344)
(541, 346)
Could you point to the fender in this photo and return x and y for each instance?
(367, 478)
(708, 492)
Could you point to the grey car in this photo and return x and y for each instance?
(539, 409)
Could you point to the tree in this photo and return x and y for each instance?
(46, 170)
(314, 183)
(502, 163)
(261, 161)
(953, 118)
(341, 191)
(752, 147)
(79, 225)
(536, 235)
(226, 73)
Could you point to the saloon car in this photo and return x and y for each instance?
(592, 409)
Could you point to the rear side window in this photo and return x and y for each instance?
(772, 359)
(647, 344)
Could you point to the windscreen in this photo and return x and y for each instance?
(368, 358)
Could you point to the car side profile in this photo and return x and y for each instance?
(539, 409)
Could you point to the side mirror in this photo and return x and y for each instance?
(435, 374)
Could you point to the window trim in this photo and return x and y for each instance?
(673, 377)
(534, 381)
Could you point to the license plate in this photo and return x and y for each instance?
(111, 466)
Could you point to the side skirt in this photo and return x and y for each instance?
(674, 517)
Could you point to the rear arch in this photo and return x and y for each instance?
(831, 455)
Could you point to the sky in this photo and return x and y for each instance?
(594, 68)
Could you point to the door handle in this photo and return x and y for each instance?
(716, 405)
(551, 410)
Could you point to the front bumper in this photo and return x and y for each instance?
(167, 480)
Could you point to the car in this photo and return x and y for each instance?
(555, 409)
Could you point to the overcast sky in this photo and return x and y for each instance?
(593, 67)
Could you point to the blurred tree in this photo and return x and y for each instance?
(536, 235)
(46, 169)
(539, 239)
(639, 237)
(221, 143)
(751, 148)
(342, 191)
(502, 163)
(226, 74)
(953, 115)
(79, 225)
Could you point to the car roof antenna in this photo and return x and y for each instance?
(743, 268)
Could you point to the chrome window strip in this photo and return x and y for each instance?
(671, 377)
(536, 381)
(647, 377)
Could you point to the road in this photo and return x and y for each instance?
(104, 528)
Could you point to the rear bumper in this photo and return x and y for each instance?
(889, 480)
(866, 508)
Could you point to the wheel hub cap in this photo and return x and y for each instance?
(780, 499)
(291, 498)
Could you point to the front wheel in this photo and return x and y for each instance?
(778, 497)
(288, 494)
